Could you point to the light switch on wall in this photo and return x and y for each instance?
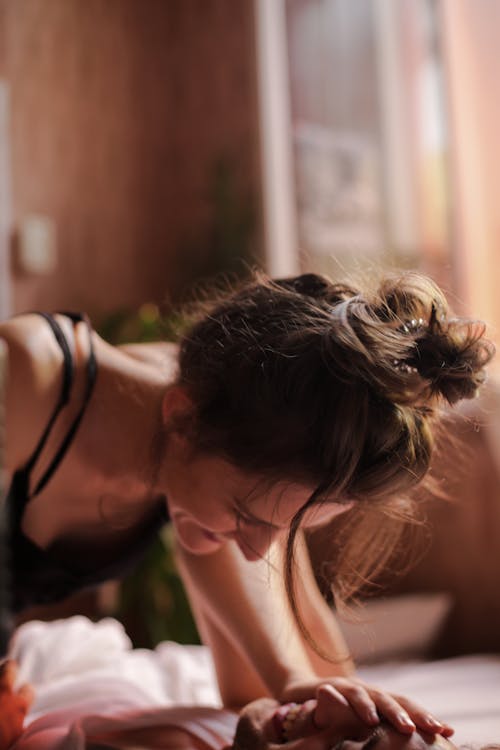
(37, 246)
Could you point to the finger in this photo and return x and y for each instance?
(329, 693)
(27, 694)
(394, 712)
(8, 674)
(328, 701)
(423, 719)
(360, 701)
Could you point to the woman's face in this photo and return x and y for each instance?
(210, 501)
(260, 727)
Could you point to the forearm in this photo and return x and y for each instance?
(244, 616)
(229, 661)
(244, 604)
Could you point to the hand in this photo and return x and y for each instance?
(369, 703)
(14, 705)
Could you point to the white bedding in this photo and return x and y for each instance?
(86, 675)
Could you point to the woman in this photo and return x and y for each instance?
(288, 403)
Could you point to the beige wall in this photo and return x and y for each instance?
(471, 34)
(120, 109)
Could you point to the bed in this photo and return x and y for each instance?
(89, 681)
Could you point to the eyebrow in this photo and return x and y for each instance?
(251, 518)
(246, 514)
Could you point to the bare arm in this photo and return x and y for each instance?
(229, 658)
(34, 375)
(257, 623)
(244, 616)
(240, 604)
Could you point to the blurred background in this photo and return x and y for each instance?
(146, 146)
(143, 145)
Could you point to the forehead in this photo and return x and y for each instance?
(278, 500)
(261, 496)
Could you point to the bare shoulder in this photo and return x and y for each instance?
(34, 377)
(159, 355)
(34, 357)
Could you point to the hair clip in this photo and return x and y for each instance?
(413, 325)
(404, 367)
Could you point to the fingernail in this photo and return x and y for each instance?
(434, 722)
(373, 717)
(405, 719)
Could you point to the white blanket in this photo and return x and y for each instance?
(88, 681)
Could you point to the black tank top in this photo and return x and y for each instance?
(40, 576)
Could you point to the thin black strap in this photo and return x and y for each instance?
(65, 389)
(91, 379)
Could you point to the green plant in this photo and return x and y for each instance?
(152, 603)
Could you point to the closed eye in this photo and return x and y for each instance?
(251, 520)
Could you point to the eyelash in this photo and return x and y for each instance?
(241, 518)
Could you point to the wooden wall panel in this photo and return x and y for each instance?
(120, 110)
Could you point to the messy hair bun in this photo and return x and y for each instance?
(402, 342)
(326, 383)
(304, 378)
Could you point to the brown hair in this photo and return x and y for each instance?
(305, 379)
